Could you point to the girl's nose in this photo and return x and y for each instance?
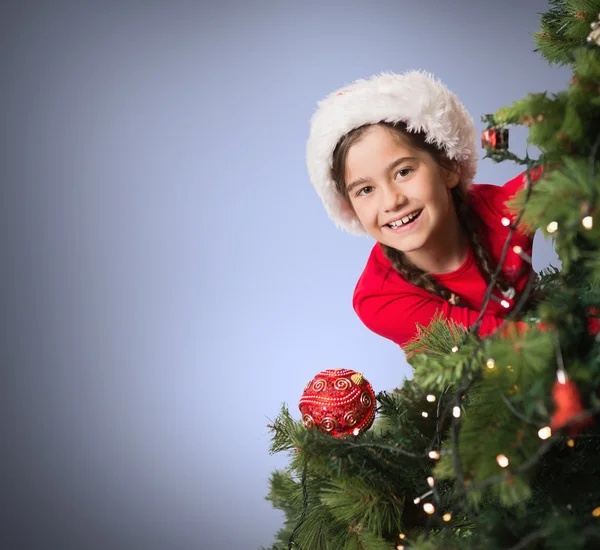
(393, 199)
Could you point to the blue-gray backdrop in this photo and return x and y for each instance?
(169, 276)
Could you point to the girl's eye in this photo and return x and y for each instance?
(365, 190)
(404, 172)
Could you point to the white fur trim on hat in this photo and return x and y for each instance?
(416, 98)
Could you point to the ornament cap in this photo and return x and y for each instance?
(357, 378)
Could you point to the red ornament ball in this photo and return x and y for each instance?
(338, 402)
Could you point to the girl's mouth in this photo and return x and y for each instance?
(406, 220)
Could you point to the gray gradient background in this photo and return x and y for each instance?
(169, 276)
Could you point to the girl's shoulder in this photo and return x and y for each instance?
(496, 196)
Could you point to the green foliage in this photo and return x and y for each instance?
(441, 354)
(564, 28)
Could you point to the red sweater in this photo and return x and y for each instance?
(390, 306)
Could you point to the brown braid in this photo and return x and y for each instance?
(413, 274)
(470, 222)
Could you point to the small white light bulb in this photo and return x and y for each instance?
(505, 222)
(434, 455)
(456, 412)
(447, 516)
(552, 227)
(545, 433)
(588, 222)
(502, 461)
(505, 304)
(431, 398)
(454, 349)
(429, 508)
(430, 481)
(491, 364)
(424, 414)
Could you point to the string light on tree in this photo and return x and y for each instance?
(431, 398)
(503, 303)
(552, 227)
(434, 455)
(594, 36)
(522, 254)
(454, 349)
(588, 222)
(545, 432)
(430, 481)
(456, 412)
(424, 495)
(429, 508)
(502, 461)
(505, 222)
(491, 363)
(424, 414)
(447, 516)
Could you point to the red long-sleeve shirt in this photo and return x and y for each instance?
(391, 306)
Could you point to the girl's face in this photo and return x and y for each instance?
(400, 194)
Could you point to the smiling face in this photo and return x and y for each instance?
(400, 194)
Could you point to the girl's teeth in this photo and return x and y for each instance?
(404, 220)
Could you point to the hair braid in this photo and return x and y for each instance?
(415, 275)
(469, 221)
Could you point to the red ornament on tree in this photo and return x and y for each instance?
(338, 402)
(495, 138)
(568, 405)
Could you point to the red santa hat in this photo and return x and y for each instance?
(416, 98)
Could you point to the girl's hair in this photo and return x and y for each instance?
(468, 218)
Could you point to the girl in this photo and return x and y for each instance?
(394, 157)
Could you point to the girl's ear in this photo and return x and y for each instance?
(451, 175)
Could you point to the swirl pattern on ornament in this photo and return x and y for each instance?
(308, 421)
(319, 385)
(366, 400)
(328, 424)
(350, 418)
(342, 384)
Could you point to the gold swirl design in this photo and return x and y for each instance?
(308, 421)
(319, 385)
(366, 400)
(328, 424)
(350, 419)
(342, 384)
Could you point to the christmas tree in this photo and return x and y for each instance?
(494, 443)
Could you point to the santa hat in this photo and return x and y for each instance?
(415, 98)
